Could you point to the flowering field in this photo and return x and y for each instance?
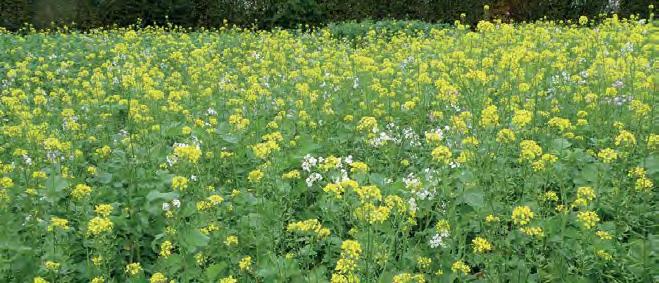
(509, 153)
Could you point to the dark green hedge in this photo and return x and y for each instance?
(290, 13)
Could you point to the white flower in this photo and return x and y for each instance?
(176, 203)
(348, 159)
(308, 162)
(412, 203)
(27, 159)
(313, 178)
(437, 240)
(165, 206)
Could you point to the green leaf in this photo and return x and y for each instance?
(587, 175)
(377, 179)
(55, 186)
(559, 145)
(154, 195)
(306, 146)
(104, 178)
(474, 198)
(214, 270)
(225, 132)
(191, 239)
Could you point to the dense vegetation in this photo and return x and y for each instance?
(291, 13)
(508, 153)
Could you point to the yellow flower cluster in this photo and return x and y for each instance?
(245, 263)
(179, 183)
(99, 225)
(347, 264)
(589, 219)
(133, 269)
(309, 225)
(166, 249)
(58, 223)
(441, 154)
(190, 153)
(481, 245)
(522, 215)
(529, 150)
(460, 266)
(409, 278)
(81, 191)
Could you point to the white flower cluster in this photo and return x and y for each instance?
(175, 203)
(437, 240)
(309, 163)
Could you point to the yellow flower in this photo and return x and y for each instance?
(264, 149)
(255, 176)
(336, 189)
(491, 218)
(604, 255)
(625, 138)
(442, 226)
(368, 193)
(583, 20)
(351, 249)
(133, 268)
(529, 150)
(179, 183)
(97, 260)
(58, 223)
(561, 124)
(409, 278)
(291, 175)
(359, 167)
(81, 191)
(228, 279)
(158, 278)
(442, 154)
(99, 225)
(607, 155)
(460, 266)
(423, 262)
(522, 118)
(309, 225)
(103, 209)
(371, 213)
(589, 219)
(231, 241)
(98, 279)
(52, 266)
(215, 199)
(603, 235)
(489, 116)
(245, 263)
(186, 130)
(533, 231)
(166, 249)
(643, 184)
(481, 245)
(550, 196)
(187, 152)
(39, 280)
(505, 136)
(367, 124)
(586, 193)
(522, 215)
(653, 141)
(433, 137)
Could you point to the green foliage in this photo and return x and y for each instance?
(357, 30)
(267, 14)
